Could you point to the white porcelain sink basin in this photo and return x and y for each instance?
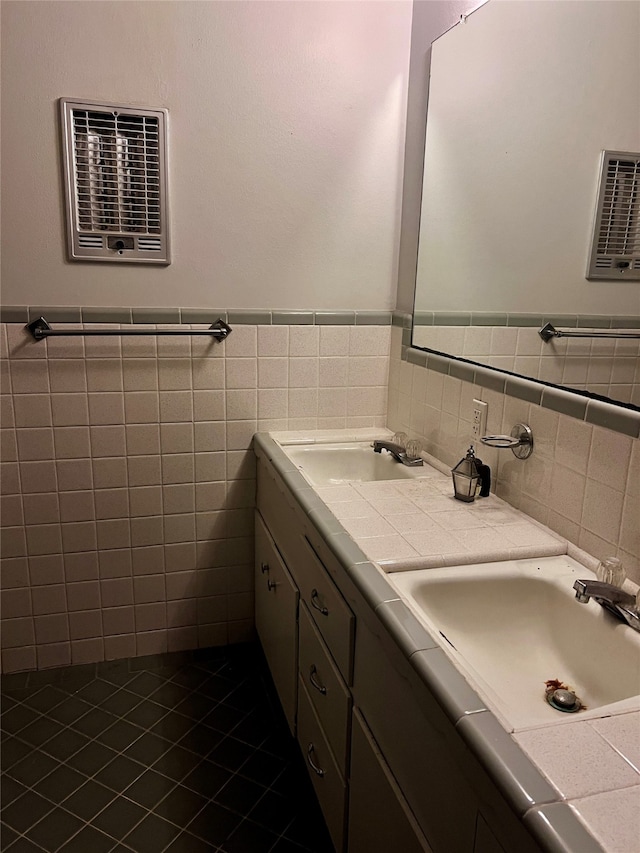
(512, 626)
(349, 462)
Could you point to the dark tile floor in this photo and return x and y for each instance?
(180, 753)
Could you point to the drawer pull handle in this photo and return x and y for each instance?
(271, 585)
(315, 605)
(264, 567)
(313, 766)
(319, 687)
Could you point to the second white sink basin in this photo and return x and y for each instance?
(513, 626)
(349, 462)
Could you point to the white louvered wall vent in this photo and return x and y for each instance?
(115, 162)
(615, 250)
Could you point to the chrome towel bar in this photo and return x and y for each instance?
(40, 329)
(549, 331)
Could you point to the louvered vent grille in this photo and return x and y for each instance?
(116, 171)
(615, 252)
(90, 241)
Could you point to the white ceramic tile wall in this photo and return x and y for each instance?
(603, 366)
(582, 481)
(128, 482)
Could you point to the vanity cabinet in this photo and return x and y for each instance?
(388, 766)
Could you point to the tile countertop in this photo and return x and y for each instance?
(418, 524)
(603, 787)
(411, 524)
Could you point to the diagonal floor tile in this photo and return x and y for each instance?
(119, 774)
(54, 829)
(151, 835)
(149, 789)
(92, 758)
(119, 817)
(88, 840)
(58, 785)
(25, 811)
(181, 753)
(89, 799)
(180, 806)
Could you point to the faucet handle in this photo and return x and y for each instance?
(611, 571)
(413, 448)
(400, 438)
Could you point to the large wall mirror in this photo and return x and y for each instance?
(523, 98)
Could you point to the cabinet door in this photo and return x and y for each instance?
(276, 606)
(379, 817)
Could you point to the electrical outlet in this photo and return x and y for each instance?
(479, 419)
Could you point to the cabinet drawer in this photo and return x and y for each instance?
(327, 691)
(275, 506)
(328, 610)
(327, 781)
(276, 606)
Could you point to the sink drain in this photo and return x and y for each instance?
(561, 697)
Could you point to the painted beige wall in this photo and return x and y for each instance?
(286, 139)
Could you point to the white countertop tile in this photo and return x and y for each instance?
(613, 818)
(377, 490)
(386, 548)
(554, 750)
(368, 527)
(623, 733)
(352, 509)
(434, 542)
(459, 519)
(393, 506)
(527, 533)
(480, 539)
(431, 504)
(335, 494)
(413, 522)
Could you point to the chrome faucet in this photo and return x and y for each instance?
(398, 452)
(612, 598)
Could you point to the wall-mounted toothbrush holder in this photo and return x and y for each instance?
(520, 441)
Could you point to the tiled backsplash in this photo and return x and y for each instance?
(128, 481)
(606, 366)
(583, 479)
